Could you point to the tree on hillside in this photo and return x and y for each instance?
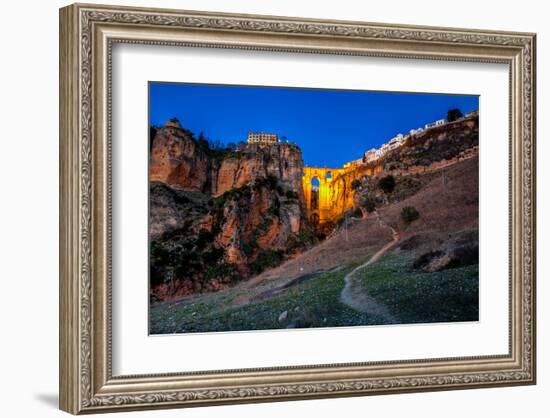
(369, 205)
(409, 214)
(454, 114)
(202, 140)
(387, 184)
(216, 145)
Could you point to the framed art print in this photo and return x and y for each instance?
(244, 235)
(259, 208)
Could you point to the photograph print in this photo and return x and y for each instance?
(291, 208)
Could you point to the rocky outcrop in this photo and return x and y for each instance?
(461, 250)
(178, 159)
(283, 161)
(170, 209)
(183, 162)
(219, 216)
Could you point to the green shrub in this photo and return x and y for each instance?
(387, 184)
(224, 154)
(181, 199)
(454, 114)
(225, 271)
(307, 237)
(204, 238)
(275, 207)
(265, 260)
(409, 214)
(291, 194)
(219, 202)
(357, 213)
(231, 195)
(213, 256)
(304, 239)
(249, 247)
(269, 181)
(369, 205)
(264, 226)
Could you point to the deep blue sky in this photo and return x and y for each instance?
(330, 126)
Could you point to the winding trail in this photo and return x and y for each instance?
(355, 296)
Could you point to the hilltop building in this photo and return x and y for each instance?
(435, 124)
(370, 156)
(396, 141)
(262, 138)
(416, 131)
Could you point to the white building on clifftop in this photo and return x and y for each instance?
(435, 124)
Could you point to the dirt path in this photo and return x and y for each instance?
(355, 296)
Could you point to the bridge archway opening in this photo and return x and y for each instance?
(315, 185)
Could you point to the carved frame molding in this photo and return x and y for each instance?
(87, 33)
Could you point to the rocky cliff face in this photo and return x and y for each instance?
(183, 162)
(178, 159)
(283, 161)
(217, 217)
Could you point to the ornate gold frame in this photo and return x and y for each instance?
(87, 33)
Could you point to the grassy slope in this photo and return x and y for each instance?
(313, 303)
(418, 297)
(411, 296)
(447, 204)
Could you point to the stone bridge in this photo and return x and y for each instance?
(328, 192)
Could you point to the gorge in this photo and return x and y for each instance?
(218, 216)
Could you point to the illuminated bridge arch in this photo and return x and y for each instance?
(327, 191)
(319, 194)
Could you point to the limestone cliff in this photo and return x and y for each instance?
(283, 161)
(178, 159)
(218, 216)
